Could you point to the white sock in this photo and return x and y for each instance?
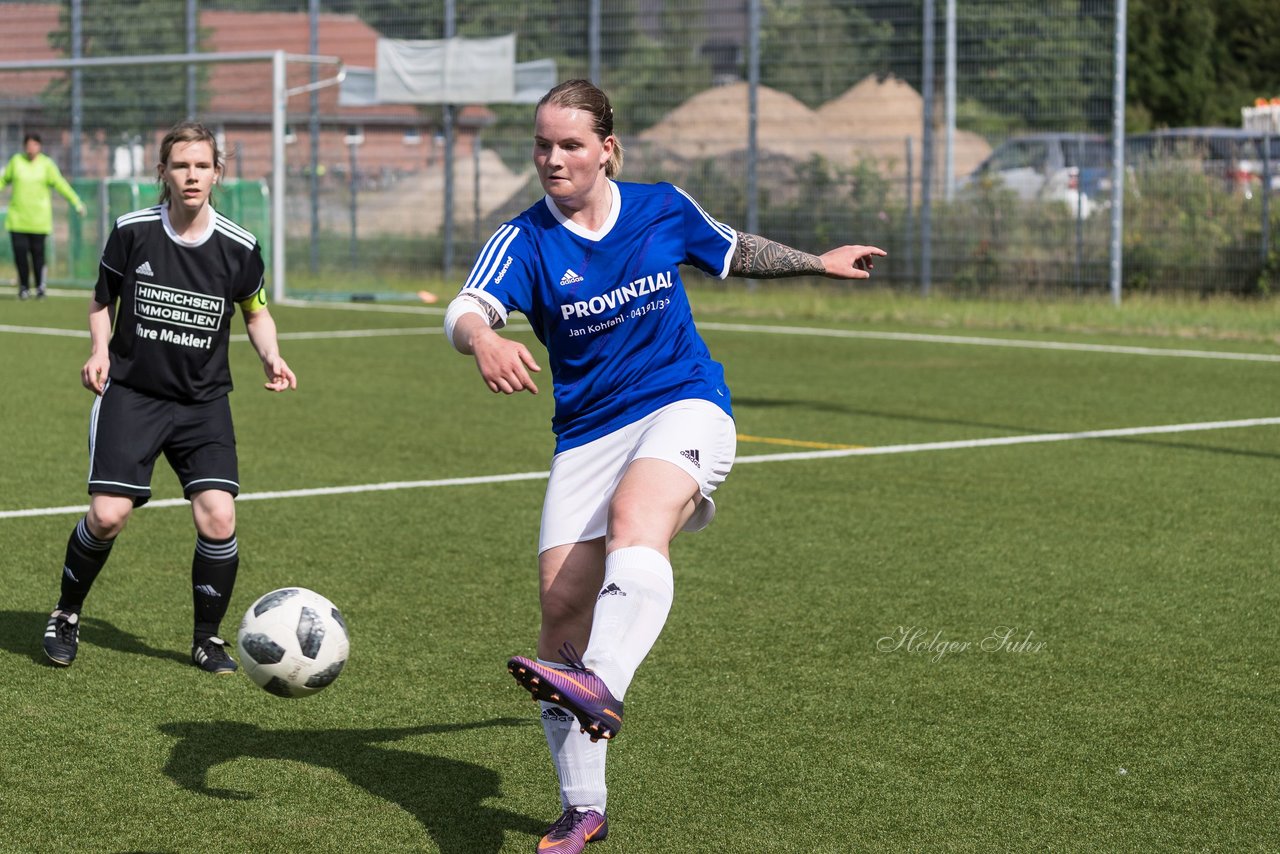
(579, 761)
(630, 611)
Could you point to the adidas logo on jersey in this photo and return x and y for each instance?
(144, 269)
(569, 278)
(691, 456)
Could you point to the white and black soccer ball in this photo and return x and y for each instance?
(292, 642)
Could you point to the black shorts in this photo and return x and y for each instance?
(129, 429)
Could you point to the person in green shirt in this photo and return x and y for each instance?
(30, 217)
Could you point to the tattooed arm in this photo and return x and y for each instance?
(760, 258)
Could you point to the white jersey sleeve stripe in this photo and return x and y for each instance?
(145, 215)
(235, 227)
(728, 257)
(729, 233)
(109, 267)
(491, 257)
(217, 226)
(487, 260)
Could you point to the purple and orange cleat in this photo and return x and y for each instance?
(573, 830)
(577, 688)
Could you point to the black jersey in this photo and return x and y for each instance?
(176, 301)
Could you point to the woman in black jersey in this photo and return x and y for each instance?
(172, 276)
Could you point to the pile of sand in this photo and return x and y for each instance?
(877, 116)
(714, 122)
(871, 121)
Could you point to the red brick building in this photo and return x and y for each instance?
(397, 138)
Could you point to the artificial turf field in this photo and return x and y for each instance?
(928, 617)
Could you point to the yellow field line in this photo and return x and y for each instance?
(797, 443)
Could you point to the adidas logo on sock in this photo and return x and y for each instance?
(208, 590)
(569, 278)
(144, 269)
(555, 713)
(612, 590)
(691, 456)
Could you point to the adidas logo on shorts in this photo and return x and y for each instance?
(144, 269)
(691, 456)
(569, 278)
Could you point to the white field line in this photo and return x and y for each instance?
(44, 330)
(819, 332)
(294, 303)
(760, 458)
(283, 336)
(998, 441)
(989, 342)
(353, 333)
(388, 308)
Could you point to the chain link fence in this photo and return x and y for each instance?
(985, 170)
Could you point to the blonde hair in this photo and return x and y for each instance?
(579, 94)
(185, 132)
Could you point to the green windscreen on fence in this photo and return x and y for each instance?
(75, 246)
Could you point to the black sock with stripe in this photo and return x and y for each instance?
(213, 577)
(86, 555)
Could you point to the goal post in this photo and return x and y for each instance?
(280, 94)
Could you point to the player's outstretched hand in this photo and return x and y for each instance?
(279, 375)
(851, 262)
(505, 364)
(94, 373)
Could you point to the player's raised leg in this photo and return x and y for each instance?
(571, 577)
(631, 600)
(652, 503)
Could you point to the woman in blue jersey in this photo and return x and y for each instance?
(643, 421)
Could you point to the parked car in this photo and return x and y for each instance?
(1071, 168)
(1234, 155)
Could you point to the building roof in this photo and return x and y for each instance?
(238, 92)
(244, 90)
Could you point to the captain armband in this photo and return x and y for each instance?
(468, 303)
(257, 302)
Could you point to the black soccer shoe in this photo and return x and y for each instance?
(62, 637)
(211, 656)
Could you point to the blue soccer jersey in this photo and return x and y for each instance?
(609, 305)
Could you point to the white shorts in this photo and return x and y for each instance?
(695, 435)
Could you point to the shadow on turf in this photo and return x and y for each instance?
(22, 631)
(446, 796)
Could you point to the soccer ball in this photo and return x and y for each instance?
(292, 642)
